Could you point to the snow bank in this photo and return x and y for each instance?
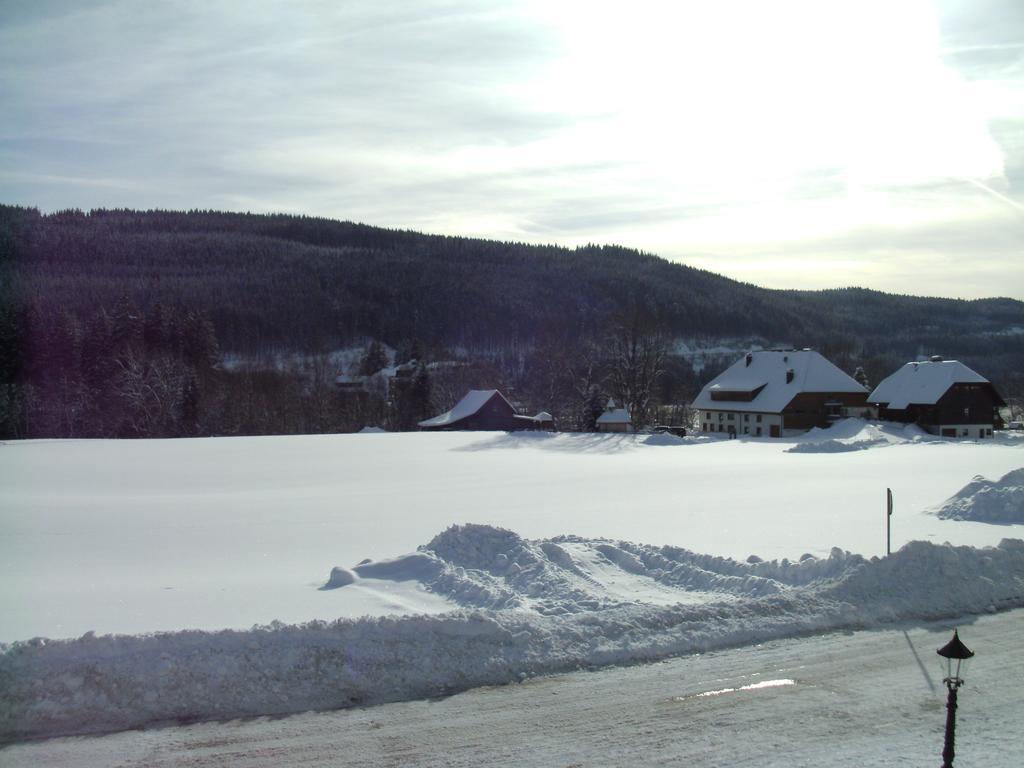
(857, 435)
(988, 501)
(116, 682)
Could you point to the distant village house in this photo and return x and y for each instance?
(779, 392)
(486, 409)
(614, 419)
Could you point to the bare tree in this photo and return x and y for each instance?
(638, 349)
(150, 392)
(587, 374)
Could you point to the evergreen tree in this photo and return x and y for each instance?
(199, 342)
(156, 332)
(190, 406)
(861, 377)
(419, 395)
(374, 359)
(594, 408)
(126, 324)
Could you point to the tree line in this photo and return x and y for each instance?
(112, 323)
(294, 282)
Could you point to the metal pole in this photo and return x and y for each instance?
(948, 751)
(888, 521)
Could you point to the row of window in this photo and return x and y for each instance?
(730, 417)
(731, 429)
(965, 432)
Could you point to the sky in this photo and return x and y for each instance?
(791, 144)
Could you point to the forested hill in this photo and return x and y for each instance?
(115, 324)
(302, 283)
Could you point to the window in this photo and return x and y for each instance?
(758, 431)
(732, 417)
(759, 419)
(720, 417)
(746, 430)
(746, 417)
(967, 412)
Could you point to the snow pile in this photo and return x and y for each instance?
(482, 567)
(857, 435)
(988, 501)
(666, 439)
(115, 682)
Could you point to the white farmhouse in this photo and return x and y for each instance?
(777, 392)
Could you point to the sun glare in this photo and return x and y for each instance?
(735, 104)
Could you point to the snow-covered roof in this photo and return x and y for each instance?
(474, 400)
(543, 416)
(761, 381)
(922, 383)
(616, 416)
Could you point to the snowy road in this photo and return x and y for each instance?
(864, 698)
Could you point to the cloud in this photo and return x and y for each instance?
(741, 134)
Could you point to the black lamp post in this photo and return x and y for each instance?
(953, 651)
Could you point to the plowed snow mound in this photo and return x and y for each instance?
(988, 501)
(578, 602)
(857, 435)
(479, 566)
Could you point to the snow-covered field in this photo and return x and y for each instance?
(135, 536)
(579, 550)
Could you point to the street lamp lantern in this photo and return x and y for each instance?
(955, 653)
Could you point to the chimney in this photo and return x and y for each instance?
(750, 358)
(789, 376)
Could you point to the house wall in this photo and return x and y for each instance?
(739, 422)
(805, 411)
(815, 409)
(966, 404)
(975, 431)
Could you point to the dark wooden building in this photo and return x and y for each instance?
(943, 397)
(482, 409)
